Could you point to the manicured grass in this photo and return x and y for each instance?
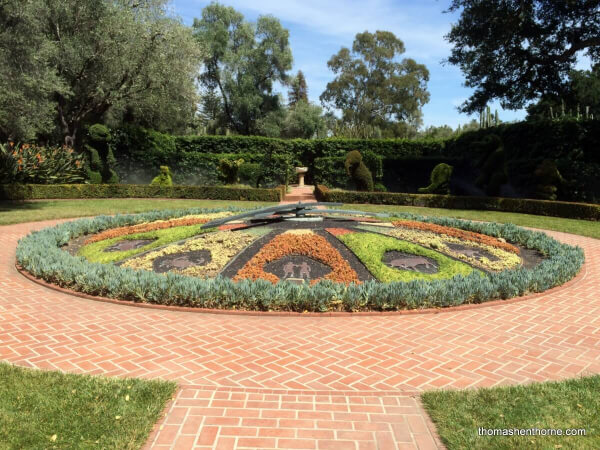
(574, 226)
(31, 211)
(41, 409)
(571, 404)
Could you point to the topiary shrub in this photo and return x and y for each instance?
(250, 173)
(492, 161)
(547, 179)
(163, 178)
(358, 171)
(229, 169)
(100, 159)
(440, 180)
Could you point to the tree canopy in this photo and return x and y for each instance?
(372, 88)
(90, 58)
(242, 63)
(582, 96)
(519, 50)
(298, 89)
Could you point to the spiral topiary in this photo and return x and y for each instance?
(358, 171)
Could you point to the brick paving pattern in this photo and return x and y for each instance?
(302, 382)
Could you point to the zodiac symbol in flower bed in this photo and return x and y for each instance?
(181, 261)
(402, 261)
(289, 269)
(471, 253)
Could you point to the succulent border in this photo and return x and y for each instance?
(40, 254)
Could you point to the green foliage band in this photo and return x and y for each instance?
(569, 210)
(38, 191)
(572, 144)
(39, 253)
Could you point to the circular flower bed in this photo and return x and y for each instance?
(337, 264)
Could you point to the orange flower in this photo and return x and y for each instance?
(458, 233)
(312, 246)
(145, 227)
(26, 146)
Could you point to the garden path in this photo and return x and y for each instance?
(302, 382)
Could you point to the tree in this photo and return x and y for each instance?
(27, 79)
(441, 132)
(582, 96)
(102, 57)
(305, 120)
(298, 90)
(519, 50)
(118, 54)
(374, 90)
(243, 62)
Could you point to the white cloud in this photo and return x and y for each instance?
(423, 37)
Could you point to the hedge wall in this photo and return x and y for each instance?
(194, 159)
(56, 191)
(526, 206)
(573, 144)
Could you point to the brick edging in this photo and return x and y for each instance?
(579, 277)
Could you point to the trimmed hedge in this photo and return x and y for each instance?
(568, 210)
(40, 254)
(572, 144)
(56, 191)
(137, 149)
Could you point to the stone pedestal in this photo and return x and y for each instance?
(301, 171)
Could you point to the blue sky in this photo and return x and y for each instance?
(319, 28)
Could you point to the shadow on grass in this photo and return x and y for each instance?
(12, 205)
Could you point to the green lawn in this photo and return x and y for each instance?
(41, 409)
(581, 227)
(30, 211)
(571, 404)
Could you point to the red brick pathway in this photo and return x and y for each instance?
(302, 382)
(300, 194)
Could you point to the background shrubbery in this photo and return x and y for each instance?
(503, 159)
